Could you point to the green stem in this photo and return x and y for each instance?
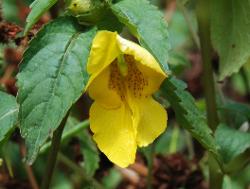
(206, 49)
(215, 175)
(150, 161)
(56, 140)
(203, 17)
(190, 146)
(174, 140)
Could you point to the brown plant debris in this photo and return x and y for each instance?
(170, 172)
(8, 31)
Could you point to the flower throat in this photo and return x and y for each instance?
(126, 77)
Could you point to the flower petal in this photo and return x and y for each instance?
(154, 79)
(103, 52)
(114, 133)
(100, 92)
(146, 63)
(151, 118)
(139, 53)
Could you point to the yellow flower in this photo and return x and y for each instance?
(123, 77)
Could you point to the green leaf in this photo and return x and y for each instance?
(179, 33)
(110, 22)
(91, 159)
(171, 141)
(178, 62)
(52, 77)
(235, 113)
(230, 34)
(232, 142)
(112, 180)
(147, 24)
(8, 115)
(238, 180)
(9, 11)
(238, 108)
(188, 115)
(38, 8)
(90, 152)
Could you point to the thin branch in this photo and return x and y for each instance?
(56, 140)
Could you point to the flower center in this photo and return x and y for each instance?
(130, 81)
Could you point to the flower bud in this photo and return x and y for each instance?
(88, 12)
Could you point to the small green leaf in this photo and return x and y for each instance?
(52, 77)
(38, 8)
(171, 141)
(232, 142)
(188, 115)
(9, 11)
(238, 180)
(230, 34)
(238, 108)
(179, 33)
(147, 24)
(90, 153)
(178, 62)
(112, 180)
(91, 159)
(8, 115)
(235, 113)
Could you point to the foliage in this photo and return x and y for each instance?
(188, 115)
(8, 115)
(234, 113)
(57, 57)
(38, 8)
(50, 106)
(231, 17)
(132, 14)
(233, 146)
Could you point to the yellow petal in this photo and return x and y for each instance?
(151, 118)
(154, 79)
(139, 53)
(146, 63)
(100, 91)
(114, 133)
(103, 52)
